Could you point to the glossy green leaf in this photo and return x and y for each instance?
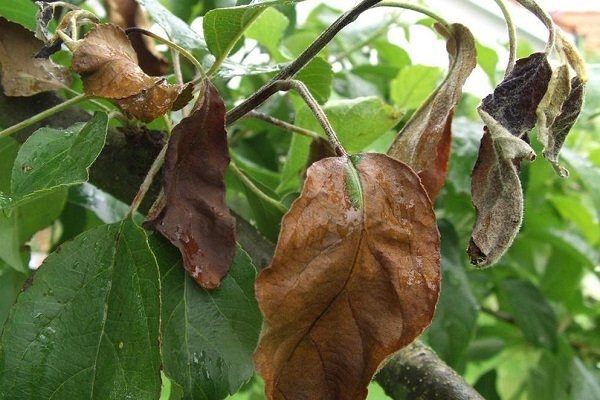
(550, 379)
(22, 12)
(177, 30)
(413, 85)
(88, 327)
(455, 318)
(207, 337)
(52, 158)
(357, 122)
(532, 312)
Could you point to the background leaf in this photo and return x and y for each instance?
(413, 85)
(532, 313)
(357, 122)
(179, 31)
(207, 336)
(88, 325)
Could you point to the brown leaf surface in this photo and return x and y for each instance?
(108, 64)
(22, 73)
(496, 192)
(355, 277)
(156, 101)
(195, 217)
(515, 100)
(424, 142)
(109, 68)
(128, 14)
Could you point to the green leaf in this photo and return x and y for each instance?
(550, 379)
(23, 12)
(413, 85)
(11, 282)
(532, 312)
(487, 59)
(51, 158)
(317, 75)
(88, 325)
(295, 162)
(207, 337)
(357, 122)
(17, 226)
(455, 319)
(177, 30)
(106, 207)
(223, 27)
(268, 30)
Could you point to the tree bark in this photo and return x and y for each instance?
(415, 372)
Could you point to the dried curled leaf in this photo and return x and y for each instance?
(563, 123)
(424, 142)
(515, 100)
(195, 217)
(551, 104)
(109, 68)
(355, 277)
(22, 73)
(496, 192)
(127, 14)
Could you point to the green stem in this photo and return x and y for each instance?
(171, 45)
(317, 111)
(255, 189)
(416, 8)
(217, 64)
(543, 16)
(145, 186)
(43, 115)
(512, 37)
(283, 125)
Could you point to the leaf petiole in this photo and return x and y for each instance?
(282, 124)
(543, 16)
(145, 186)
(416, 8)
(316, 109)
(255, 189)
(43, 115)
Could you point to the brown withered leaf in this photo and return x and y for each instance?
(22, 73)
(515, 100)
(424, 142)
(128, 14)
(496, 192)
(156, 101)
(355, 277)
(108, 64)
(109, 68)
(563, 123)
(552, 102)
(195, 217)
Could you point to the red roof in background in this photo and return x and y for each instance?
(584, 25)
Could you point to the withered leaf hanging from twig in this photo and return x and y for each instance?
(355, 277)
(509, 114)
(424, 142)
(195, 217)
(109, 68)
